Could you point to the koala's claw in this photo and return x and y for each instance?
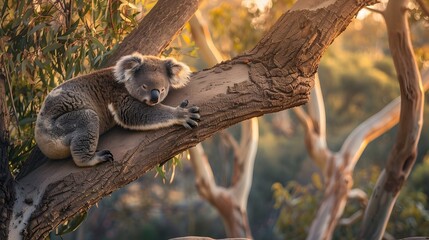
(190, 124)
(194, 115)
(194, 109)
(105, 156)
(190, 116)
(184, 103)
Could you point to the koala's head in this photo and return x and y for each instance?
(149, 78)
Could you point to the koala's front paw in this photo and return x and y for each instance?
(190, 115)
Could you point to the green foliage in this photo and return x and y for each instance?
(72, 224)
(168, 169)
(229, 30)
(297, 204)
(232, 19)
(43, 43)
(411, 214)
(350, 81)
(182, 46)
(365, 180)
(420, 177)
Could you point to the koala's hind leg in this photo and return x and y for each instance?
(84, 139)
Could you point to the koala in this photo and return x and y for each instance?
(77, 112)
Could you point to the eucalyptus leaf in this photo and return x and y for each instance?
(72, 224)
(36, 28)
(52, 47)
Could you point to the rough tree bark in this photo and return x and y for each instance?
(154, 23)
(404, 152)
(277, 74)
(231, 202)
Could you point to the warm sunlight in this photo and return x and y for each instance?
(300, 119)
(363, 13)
(261, 5)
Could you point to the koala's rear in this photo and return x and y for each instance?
(76, 112)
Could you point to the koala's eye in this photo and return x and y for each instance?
(144, 87)
(163, 89)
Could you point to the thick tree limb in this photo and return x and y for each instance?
(404, 152)
(277, 74)
(152, 35)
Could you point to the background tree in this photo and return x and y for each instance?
(231, 202)
(355, 143)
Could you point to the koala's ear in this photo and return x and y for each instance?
(178, 72)
(127, 66)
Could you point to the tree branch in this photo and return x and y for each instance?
(362, 197)
(340, 166)
(202, 37)
(205, 181)
(317, 112)
(152, 36)
(352, 219)
(314, 125)
(404, 152)
(375, 10)
(342, 163)
(358, 194)
(231, 202)
(245, 163)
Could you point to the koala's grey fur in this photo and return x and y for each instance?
(76, 112)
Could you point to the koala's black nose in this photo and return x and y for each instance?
(154, 96)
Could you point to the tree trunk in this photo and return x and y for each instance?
(404, 152)
(7, 191)
(153, 35)
(277, 74)
(338, 167)
(231, 202)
